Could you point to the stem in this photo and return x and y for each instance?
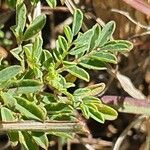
(125, 132)
(56, 126)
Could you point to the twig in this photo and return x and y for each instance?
(58, 126)
(139, 5)
(126, 14)
(139, 35)
(48, 10)
(71, 9)
(92, 141)
(125, 132)
(68, 144)
(127, 104)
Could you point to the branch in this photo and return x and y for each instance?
(126, 14)
(125, 132)
(58, 126)
(128, 104)
(139, 5)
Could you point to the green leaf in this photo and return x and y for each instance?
(85, 111)
(62, 134)
(108, 112)
(78, 72)
(62, 43)
(81, 91)
(16, 52)
(37, 48)
(68, 33)
(105, 57)
(6, 114)
(29, 109)
(8, 100)
(20, 22)
(51, 3)
(93, 64)
(96, 115)
(78, 49)
(56, 108)
(85, 39)
(96, 89)
(62, 116)
(21, 16)
(69, 63)
(77, 21)
(41, 139)
(35, 27)
(27, 142)
(117, 46)
(25, 86)
(9, 73)
(91, 99)
(106, 33)
(94, 41)
(46, 59)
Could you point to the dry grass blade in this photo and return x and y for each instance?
(128, 86)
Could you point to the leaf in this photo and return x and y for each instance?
(26, 86)
(20, 22)
(56, 108)
(84, 39)
(29, 109)
(51, 3)
(34, 28)
(8, 100)
(78, 72)
(77, 21)
(9, 73)
(46, 59)
(85, 111)
(69, 63)
(96, 115)
(94, 40)
(62, 43)
(41, 139)
(16, 53)
(78, 49)
(91, 90)
(81, 91)
(91, 99)
(37, 48)
(68, 33)
(108, 112)
(21, 16)
(62, 116)
(93, 64)
(6, 115)
(27, 142)
(106, 33)
(117, 46)
(128, 86)
(62, 134)
(96, 89)
(105, 57)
